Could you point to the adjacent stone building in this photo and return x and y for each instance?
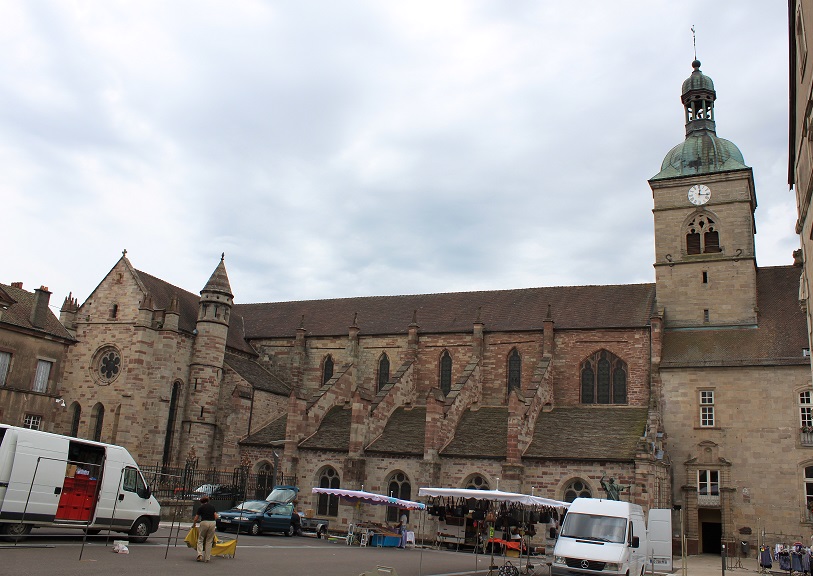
(32, 349)
(692, 390)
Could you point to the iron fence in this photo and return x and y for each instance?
(234, 485)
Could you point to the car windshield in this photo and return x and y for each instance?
(252, 505)
(595, 527)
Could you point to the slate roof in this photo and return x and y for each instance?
(271, 432)
(588, 433)
(333, 433)
(19, 314)
(162, 292)
(572, 307)
(480, 434)
(778, 340)
(256, 375)
(403, 434)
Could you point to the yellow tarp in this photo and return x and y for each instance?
(220, 548)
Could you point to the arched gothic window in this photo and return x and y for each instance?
(383, 371)
(702, 236)
(171, 417)
(97, 421)
(76, 417)
(514, 370)
(476, 482)
(446, 372)
(576, 488)
(398, 486)
(604, 379)
(327, 369)
(328, 504)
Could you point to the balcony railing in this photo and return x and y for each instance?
(807, 438)
(708, 500)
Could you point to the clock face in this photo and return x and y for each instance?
(699, 194)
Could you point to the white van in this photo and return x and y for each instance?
(601, 537)
(52, 480)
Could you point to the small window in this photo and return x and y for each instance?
(32, 421)
(706, 315)
(446, 372)
(705, 277)
(76, 417)
(42, 375)
(383, 371)
(5, 363)
(514, 370)
(97, 421)
(327, 369)
(809, 491)
(708, 482)
(805, 411)
(707, 408)
(114, 311)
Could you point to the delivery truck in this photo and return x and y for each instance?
(598, 536)
(59, 481)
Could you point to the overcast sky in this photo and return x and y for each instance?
(336, 149)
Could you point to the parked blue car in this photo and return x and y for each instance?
(258, 516)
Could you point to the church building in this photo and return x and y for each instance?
(694, 391)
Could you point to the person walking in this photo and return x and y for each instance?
(206, 517)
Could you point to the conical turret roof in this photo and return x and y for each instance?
(219, 281)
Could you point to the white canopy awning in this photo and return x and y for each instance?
(495, 495)
(370, 498)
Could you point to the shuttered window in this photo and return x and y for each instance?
(42, 375)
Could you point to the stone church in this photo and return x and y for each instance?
(694, 391)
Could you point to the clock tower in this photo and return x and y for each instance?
(704, 202)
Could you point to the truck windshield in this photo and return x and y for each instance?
(595, 527)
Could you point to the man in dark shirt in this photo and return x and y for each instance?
(206, 517)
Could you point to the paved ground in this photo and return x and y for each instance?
(59, 553)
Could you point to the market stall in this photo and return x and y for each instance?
(370, 533)
(491, 519)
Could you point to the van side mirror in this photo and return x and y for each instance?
(635, 542)
(145, 493)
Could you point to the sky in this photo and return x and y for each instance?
(362, 148)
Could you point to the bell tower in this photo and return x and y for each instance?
(704, 203)
(200, 430)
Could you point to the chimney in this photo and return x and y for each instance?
(17, 285)
(39, 311)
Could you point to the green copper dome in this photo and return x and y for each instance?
(703, 152)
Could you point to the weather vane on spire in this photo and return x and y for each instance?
(694, 42)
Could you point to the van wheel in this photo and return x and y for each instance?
(15, 532)
(140, 530)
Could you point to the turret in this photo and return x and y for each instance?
(206, 370)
